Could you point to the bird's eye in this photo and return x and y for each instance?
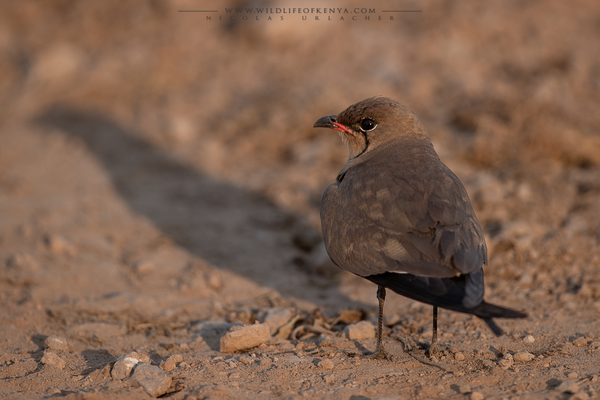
(367, 125)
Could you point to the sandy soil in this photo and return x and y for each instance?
(160, 181)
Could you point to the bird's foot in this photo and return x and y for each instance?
(380, 354)
(436, 350)
(433, 350)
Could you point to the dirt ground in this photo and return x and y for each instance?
(160, 181)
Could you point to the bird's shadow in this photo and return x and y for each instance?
(212, 219)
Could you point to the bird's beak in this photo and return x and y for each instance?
(325, 122)
(330, 122)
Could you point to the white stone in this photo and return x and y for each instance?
(360, 330)
(244, 337)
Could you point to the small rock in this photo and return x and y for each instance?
(183, 366)
(360, 330)
(51, 358)
(22, 261)
(214, 281)
(143, 267)
(528, 339)
(244, 337)
(329, 378)
(246, 360)
(56, 343)
(183, 129)
(170, 363)
(458, 356)
(523, 356)
(153, 379)
(572, 375)
(595, 345)
(98, 375)
(580, 342)
(464, 389)
(21, 270)
(265, 363)
(477, 396)
(326, 364)
(58, 63)
(506, 361)
(277, 317)
(568, 386)
(59, 245)
(125, 364)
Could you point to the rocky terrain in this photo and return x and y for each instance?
(160, 183)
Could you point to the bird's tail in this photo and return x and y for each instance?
(446, 293)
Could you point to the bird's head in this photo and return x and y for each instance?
(370, 123)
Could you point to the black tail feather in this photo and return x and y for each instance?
(446, 293)
(488, 311)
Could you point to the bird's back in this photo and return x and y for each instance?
(401, 210)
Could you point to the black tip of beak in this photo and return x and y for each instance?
(325, 122)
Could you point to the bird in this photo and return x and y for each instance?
(397, 216)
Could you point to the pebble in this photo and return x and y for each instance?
(276, 317)
(246, 360)
(360, 330)
(329, 378)
(464, 389)
(21, 269)
(244, 337)
(265, 363)
(125, 364)
(326, 364)
(458, 356)
(153, 379)
(51, 358)
(143, 267)
(59, 245)
(580, 342)
(506, 361)
(56, 343)
(568, 386)
(523, 356)
(477, 396)
(183, 366)
(528, 339)
(214, 281)
(595, 344)
(22, 262)
(572, 375)
(170, 363)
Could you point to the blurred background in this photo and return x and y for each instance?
(148, 150)
(192, 118)
(159, 167)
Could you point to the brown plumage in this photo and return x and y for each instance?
(399, 217)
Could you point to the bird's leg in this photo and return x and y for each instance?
(379, 351)
(433, 348)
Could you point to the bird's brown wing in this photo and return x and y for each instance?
(383, 218)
